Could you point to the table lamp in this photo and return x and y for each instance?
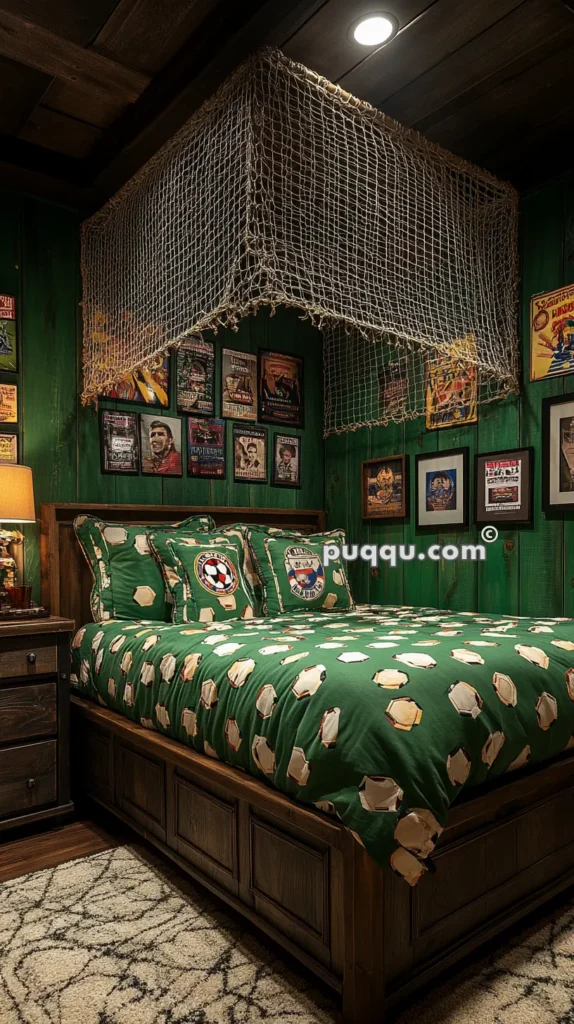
(16, 506)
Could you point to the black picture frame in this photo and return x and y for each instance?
(146, 458)
(248, 430)
(280, 417)
(205, 354)
(452, 455)
(553, 460)
(12, 435)
(139, 400)
(281, 440)
(481, 515)
(380, 517)
(105, 463)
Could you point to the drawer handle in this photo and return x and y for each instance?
(32, 658)
(31, 783)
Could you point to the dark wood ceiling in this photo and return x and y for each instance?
(89, 89)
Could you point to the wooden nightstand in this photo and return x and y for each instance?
(34, 721)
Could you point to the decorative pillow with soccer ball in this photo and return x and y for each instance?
(293, 573)
(204, 577)
(127, 581)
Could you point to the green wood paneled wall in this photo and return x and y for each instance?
(527, 571)
(59, 439)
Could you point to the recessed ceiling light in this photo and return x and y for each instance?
(375, 29)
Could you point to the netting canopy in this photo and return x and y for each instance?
(285, 190)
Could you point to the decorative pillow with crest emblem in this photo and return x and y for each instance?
(293, 573)
(204, 577)
(127, 581)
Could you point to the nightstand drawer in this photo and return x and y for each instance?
(28, 712)
(29, 658)
(28, 777)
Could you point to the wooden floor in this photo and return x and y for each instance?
(47, 849)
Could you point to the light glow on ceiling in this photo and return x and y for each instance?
(375, 29)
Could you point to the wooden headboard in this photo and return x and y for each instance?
(66, 577)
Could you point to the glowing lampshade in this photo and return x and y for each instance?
(16, 494)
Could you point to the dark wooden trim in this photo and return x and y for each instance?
(36, 47)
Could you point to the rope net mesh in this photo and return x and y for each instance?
(285, 190)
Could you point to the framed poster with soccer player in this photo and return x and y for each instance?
(286, 471)
(442, 488)
(280, 388)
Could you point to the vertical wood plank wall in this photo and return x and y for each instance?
(59, 439)
(527, 571)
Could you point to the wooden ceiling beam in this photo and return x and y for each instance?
(30, 44)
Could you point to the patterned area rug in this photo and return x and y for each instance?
(116, 938)
(120, 938)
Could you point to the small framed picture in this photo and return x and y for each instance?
(8, 340)
(558, 453)
(119, 442)
(8, 403)
(286, 470)
(442, 488)
(160, 445)
(148, 385)
(280, 388)
(8, 447)
(504, 487)
(249, 454)
(206, 448)
(385, 487)
(195, 377)
(238, 385)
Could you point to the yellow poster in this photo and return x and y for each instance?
(8, 403)
(552, 333)
(451, 388)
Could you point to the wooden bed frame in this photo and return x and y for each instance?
(297, 874)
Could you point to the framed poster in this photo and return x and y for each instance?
(160, 439)
(119, 442)
(394, 389)
(8, 340)
(206, 448)
(504, 487)
(8, 403)
(385, 487)
(442, 488)
(195, 377)
(148, 384)
(249, 454)
(451, 388)
(8, 447)
(558, 453)
(552, 333)
(280, 388)
(238, 385)
(286, 471)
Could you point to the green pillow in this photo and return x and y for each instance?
(127, 582)
(292, 571)
(204, 577)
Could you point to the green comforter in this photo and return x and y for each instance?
(382, 715)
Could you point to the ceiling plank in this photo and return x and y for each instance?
(520, 32)
(325, 44)
(224, 39)
(38, 48)
(517, 104)
(20, 90)
(79, 102)
(52, 130)
(145, 34)
(44, 186)
(444, 27)
(521, 161)
(76, 20)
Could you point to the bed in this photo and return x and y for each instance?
(295, 868)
